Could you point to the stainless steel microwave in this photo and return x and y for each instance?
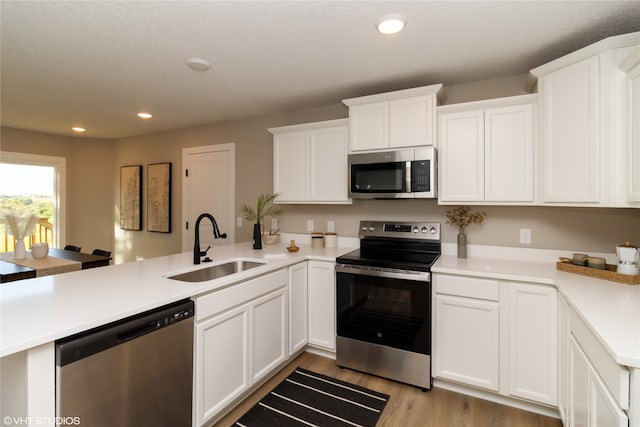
(399, 174)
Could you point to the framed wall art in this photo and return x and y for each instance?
(159, 197)
(130, 197)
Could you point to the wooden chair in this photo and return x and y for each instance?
(101, 252)
(72, 248)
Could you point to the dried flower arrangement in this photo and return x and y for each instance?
(463, 217)
(20, 227)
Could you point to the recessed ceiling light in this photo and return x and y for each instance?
(198, 64)
(78, 129)
(145, 115)
(391, 24)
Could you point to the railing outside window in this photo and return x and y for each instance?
(42, 232)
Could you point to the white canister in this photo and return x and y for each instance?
(330, 240)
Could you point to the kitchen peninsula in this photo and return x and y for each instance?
(53, 307)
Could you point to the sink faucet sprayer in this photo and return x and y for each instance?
(197, 253)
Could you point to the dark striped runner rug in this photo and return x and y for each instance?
(306, 398)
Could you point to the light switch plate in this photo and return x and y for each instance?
(309, 225)
(331, 226)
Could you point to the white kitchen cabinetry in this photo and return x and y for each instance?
(532, 333)
(495, 335)
(322, 305)
(467, 341)
(404, 118)
(487, 151)
(597, 387)
(310, 162)
(632, 67)
(584, 105)
(241, 336)
(270, 329)
(297, 307)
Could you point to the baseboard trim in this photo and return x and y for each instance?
(497, 398)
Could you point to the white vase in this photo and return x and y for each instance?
(20, 252)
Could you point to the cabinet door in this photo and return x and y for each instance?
(328, 164)
(322, 304)
(369, 126)
(269, 333)
(604, 409)
(297, 307)
(563, 356)
(461, 162)
(634, 152)
(569, 132)
(509, 154)
(579, 386)
(532, 327)
(467, 340)
(222, 361)
(412, 121)
(291, 166)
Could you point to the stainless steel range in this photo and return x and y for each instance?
(383, 296)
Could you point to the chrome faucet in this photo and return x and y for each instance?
(197, 253)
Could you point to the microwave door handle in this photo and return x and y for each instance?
(407, 177)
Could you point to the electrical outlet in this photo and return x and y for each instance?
(309, 225)
(525, 236)
(331, 226)
(239, 221)
(274, 223)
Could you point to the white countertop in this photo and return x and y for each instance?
(41, 310)
(610, 309)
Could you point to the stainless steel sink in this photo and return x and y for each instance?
(216, 271)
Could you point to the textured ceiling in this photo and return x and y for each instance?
(97, 63)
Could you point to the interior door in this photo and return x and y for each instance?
(208, 185)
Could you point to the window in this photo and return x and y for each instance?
(32, 175)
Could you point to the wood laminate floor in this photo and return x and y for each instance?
(408, 406)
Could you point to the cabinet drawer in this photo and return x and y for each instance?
(469, 287)
(237, 294)
(614, 376)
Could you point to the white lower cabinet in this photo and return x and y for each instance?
(322, 304)
(269, 333)
(297, 307)
(531, 335)
(241, 336)
(222, 361)
(467, 344)
(597, 389)
(496, 335)
(591, 404)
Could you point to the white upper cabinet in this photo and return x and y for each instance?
(584, 100)
(310, 162)
(632, 68)
(404, 118)
(487, 151)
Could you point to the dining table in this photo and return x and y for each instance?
(57, 261)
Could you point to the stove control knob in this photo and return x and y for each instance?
(364, 228)
(424, 230)
(433, 230)
(372, 228)
(416, 229)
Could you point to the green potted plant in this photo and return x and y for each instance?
(264, 207)
(463, 217)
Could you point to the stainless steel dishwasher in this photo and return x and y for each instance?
(134, 372)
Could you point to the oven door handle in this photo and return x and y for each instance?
(391, 273)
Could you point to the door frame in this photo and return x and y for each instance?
(231, 149)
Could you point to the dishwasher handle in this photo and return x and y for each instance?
(85, 344)
(138, 331)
